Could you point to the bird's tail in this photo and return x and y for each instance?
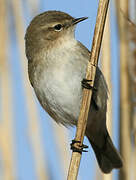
(108, 158)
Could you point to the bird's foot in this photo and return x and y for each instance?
(86, 85)
(80, 148)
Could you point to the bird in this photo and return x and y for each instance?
(57, 64)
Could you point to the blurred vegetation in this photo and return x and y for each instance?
(126, 19)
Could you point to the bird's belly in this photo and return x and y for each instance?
(60, 94)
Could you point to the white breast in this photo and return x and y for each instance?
(60, 87)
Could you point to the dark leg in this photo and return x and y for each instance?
(76, 149)
(86, 85)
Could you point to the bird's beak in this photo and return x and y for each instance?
(77, 20)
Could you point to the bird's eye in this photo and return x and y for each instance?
(58, 27)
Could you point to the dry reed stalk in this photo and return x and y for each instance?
(33, 6)
(132, 74)
(87, 94)
(34, 129)
(106, 69)
(125, 140)
(61, 135)
(6, 123)
(132, 69)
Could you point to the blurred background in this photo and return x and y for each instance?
(32, 145)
